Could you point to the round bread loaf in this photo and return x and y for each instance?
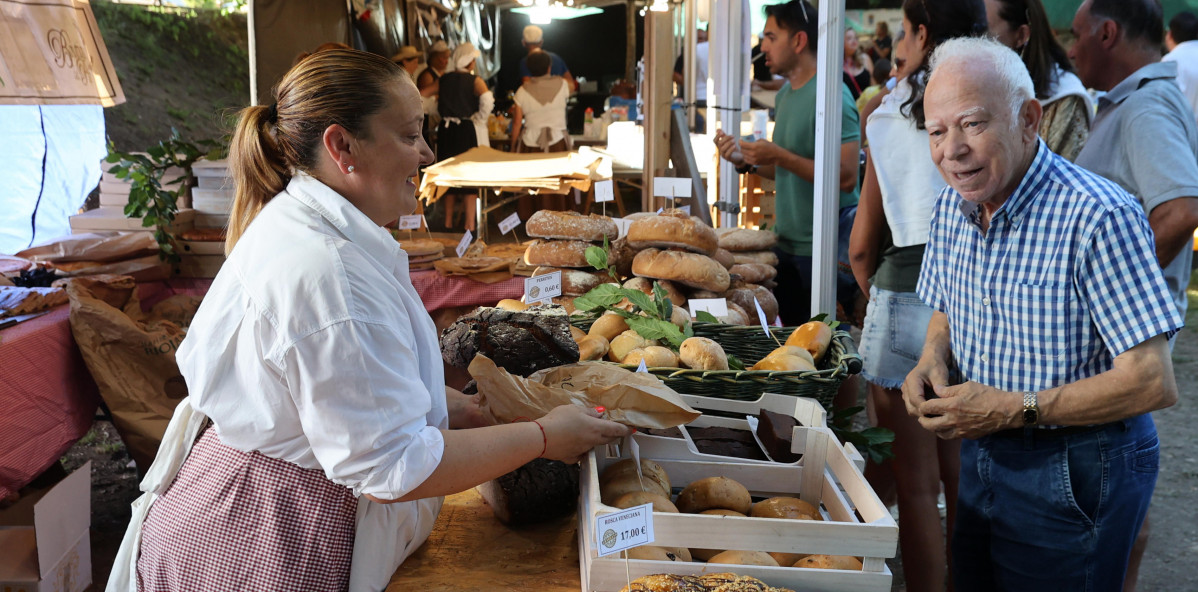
(791, 508)
(691, 269)
(714, 492)
(609, 325)
(624, 343)
(620, 257)
(673, 228)
(654, 356)
(725, 257)
(575, 282)
(701, 353)
(744, 558)
(753, 273)
(784, 363)
(640, 498)
(421, 247)
(570, 226)
(736, 315)
(813, 336)
(649, 469)
(747, 239)
(743, 297)
(558, 253)
(829, 562)
(646, 285)
(761, 257)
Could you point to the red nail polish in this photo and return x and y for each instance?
(601, 409)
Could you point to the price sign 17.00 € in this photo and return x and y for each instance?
(624, 529)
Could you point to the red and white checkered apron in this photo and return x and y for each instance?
(243, 521)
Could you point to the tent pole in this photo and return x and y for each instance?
(827, 158)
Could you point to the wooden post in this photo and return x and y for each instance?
(630, 41)
(656, 89)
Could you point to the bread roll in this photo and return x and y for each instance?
(696, 271)
(640, 498)
(704, 554)
(655, 553)
(744, 558)
(608, 326)
(672, 228)
(786, 559)
(714, 492)
(829, 562)
(791, 508)
(759, 257)
(701, 353)
(512, 305)
(725, 257)
(743, 297)
(575, 282)
(723, 512)
(570, 226)
(680, 317)
(754, 272)
(626, 342)
(745, 239)
(769, 304)
(793, 350)
(646, 285)
(654, 356)
(784, 363)
(592, 347)
(624, 481)
(649, 469)
(576, 333)
(558, 253)
(815, 337)
(736, 315)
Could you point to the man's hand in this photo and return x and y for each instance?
(728, 148)
(926, 376)
(762, 152)
(969, 410)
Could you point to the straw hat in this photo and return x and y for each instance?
(406, 52)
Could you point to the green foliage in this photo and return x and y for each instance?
(734, 362)
(654, 324)
(706, 317)
(152, 198)
(599, 257)
(875, 443)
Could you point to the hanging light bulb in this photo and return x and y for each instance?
(659, 6)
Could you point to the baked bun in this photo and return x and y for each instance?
(736, 315)
(784, 363)
(829, 562)
(691, 269)
(575, 282)
(743, 297)
(515, 306)
(592, 347)
(714, 492)
(744, 558)
(654, 356)
(746, 239)
(760, 257)
(701, 353)
(624, 343)
(558, 253)
(673, 228)
(813, 336)
(753, 273)
(571, 226)
(725, 257)
(640, 498)
(791, 508)
(646, 285)
(608, 325)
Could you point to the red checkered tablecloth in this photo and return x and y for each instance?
(439, 292)
(47, 397)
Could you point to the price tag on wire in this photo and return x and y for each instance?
(507, 224)
(622, 225)
(672, 187)
(410, 222)
(764, 325)
(542, 287)
(642, 368)
(464, 244)
(624, 529)
(604, 191)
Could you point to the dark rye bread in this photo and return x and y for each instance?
(539, 491)
(775, 430)
(519, 342)
(726, 442)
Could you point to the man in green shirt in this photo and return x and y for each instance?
(789, 42)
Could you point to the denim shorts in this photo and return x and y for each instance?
(892, 336)
(1053, 513)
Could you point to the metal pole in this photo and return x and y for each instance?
(727, 60)
(827, 158)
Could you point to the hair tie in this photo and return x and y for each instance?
(272, 113)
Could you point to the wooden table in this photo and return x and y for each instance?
(470, 550)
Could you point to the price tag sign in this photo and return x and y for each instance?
(604, 191)
(642, 367)
(622, 226)
(507, 224)
(718, 307)
(410, 222)
(761, 317)
(671, 187)
(464, 244)
(660, 210)
(542, 287)
(624, 529)
(685, 209)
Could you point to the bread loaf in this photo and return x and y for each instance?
(784, 363)
(646, 285)
(791, 508)
(714, 492)
(691, 269)
(701, 353)
(608, 326)
(814, 336)
(745, 239)
(744, 558)
(519, 342)
(592, 347)
(640, 498)
(654, 356)
(725, 257)
(649, 470)
(654, 553)
(626, 342)
(571, 226)
(421, 247)
(558, 253)
(575, 282)
(754, 272)
(673, 228)
(743, 297)
(539, 491)
(736, 315)
(759, 257)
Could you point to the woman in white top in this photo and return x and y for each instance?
(539, 121)
(1022, 25)
(886, 251)
(333, 435)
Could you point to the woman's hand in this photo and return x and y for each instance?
(571, 431)
(464, 411)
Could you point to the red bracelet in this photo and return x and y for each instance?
(544, 439)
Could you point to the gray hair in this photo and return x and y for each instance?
(978, 51)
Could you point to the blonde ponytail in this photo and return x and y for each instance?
(257, 168)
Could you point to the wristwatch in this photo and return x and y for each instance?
(1031, 409)
(747, 169)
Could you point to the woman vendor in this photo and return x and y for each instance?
(332, 435)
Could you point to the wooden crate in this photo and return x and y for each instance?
(855, 520)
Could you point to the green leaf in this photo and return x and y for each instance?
(664, 305)
(112, 157)
(641, 300)
(597, 257)
(600, 297)
(706, 317)
(734, 363)
(688, 330)
(655, 329)
(819, 317)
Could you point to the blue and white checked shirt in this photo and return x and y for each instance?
(1064, 280)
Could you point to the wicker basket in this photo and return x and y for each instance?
(749, 344)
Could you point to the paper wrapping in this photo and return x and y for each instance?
(631, 398)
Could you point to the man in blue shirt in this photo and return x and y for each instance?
(534, 40)
(1051, 309)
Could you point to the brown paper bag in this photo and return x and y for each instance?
(131, 355)
(631, 398)
(94, 246)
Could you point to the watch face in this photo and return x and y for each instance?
(1030, 416)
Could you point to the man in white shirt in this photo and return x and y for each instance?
(1182, 42)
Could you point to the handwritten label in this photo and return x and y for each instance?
(507, 224)
(642, 367)
(624, 529)
(543, 287)
(464, 244)
(604, 191)
(717, 307)
(622, 226)
(410, 222)
(671, 187)
(761, 317)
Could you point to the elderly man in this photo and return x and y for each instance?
(1053, 315)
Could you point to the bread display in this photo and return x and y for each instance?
(814, 336)
(747, 239)
(714, 492)
(691, 269)
(575, 282)
(558, 253)
(654, 356)
(520, 342)
(701, 353)
(725, 257)
(754, 273)
(571, 226)
(758, 257)
(672, 228)
(539, 491)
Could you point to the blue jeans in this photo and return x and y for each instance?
(794, 277)
(896, 324)
(1037, 511)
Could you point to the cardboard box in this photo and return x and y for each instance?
(46, 540)
(114, 219)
